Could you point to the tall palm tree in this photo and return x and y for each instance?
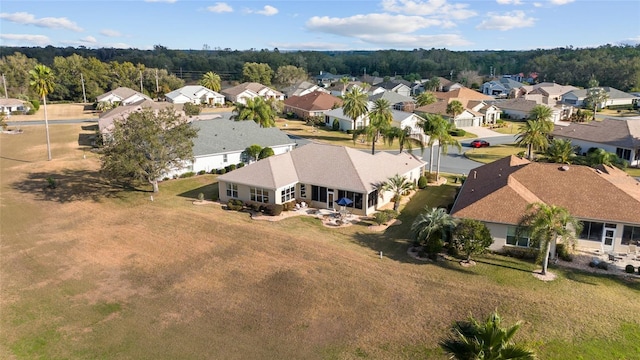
(561, 151)
(404, 138)
(344, 81)
(545, 224)
(430, 127)
(211, 81)
(534, 135)
(471, 340)
(399, 186)
(541, 113)
(426, 98)
(445, 139)
(42, 82)
(257, 110)
(454, 108)
(354, 104)
(380, 118)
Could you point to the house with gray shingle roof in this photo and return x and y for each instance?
(615, 97)
(620, 136)
(396, 100)
(250, 90)
(302, 88)
(500, 87)
(195, 94)
(605, 199)
(107, 118)
(320, 174)
(400, 119)
(123, 96)
(9, 105)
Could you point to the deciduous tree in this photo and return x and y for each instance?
(472, 237)
(257, 72)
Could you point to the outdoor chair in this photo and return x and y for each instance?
(612, 257)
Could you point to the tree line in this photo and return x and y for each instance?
(616, 66)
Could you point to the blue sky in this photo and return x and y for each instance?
(320, 25)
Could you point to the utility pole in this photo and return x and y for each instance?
(84, 94)
(157, 87)
(4, 81)
(141, 89)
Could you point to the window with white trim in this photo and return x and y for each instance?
(288, 194)
(232, 190)
(259, 195)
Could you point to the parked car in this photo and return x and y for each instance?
(479, 143)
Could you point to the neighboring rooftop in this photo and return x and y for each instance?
(621, 132)
(314, 101)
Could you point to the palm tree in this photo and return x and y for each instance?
(211, 81)
(471, 340)
(600, 156)
(454, 108)
(426, 98)
(541, 113)
(430, 127)
(561, 151)
(404, 138)
(444, 139)
(257, 110)
(430, 227)
(42, 82)
(534, 135)
(400, 186)
(380, 118)
(355, 104)
(344, 81)
(545, 224)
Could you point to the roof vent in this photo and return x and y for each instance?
(564, 168)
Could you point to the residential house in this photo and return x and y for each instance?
(477, 109)
(500, 87)
(222, 142)
(8, 106)
(250, 90)
(400, 87)
(340, 89)
(620, 136)
(106, 119)
(400, 119)
(397, 101)
(302, 88)
(122, 95)
(195, 94)
(605, 199)
(325, 79)
(370, 79)
(446, 85)
(320, 175)
(519, 109)
(543, 93)
(468, 117)
(461, 93)
(615, 97)
(312, 104)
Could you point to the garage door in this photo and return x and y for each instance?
(464, 122)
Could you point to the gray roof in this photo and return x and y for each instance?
(611, 131)
(189, 91)
(123, 93)
(613, 93)
(221, 136)
(391, 97)
(331, 166)
(518, 104)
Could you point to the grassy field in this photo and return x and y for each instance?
(92, 272)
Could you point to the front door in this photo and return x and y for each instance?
(329, 199)
(608, 236)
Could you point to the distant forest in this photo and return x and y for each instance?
(615, 66)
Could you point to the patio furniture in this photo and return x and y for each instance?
(613, 257)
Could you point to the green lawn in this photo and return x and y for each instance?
(493, 153)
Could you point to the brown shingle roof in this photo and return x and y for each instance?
(617, 132)
(500, 192)
(462, 93)
(314, 101)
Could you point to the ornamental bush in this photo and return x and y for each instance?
(235, 204)
(422, 182)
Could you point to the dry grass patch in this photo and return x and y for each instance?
(60, 112)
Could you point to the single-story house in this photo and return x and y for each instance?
(7, 106)
(615, 97)
(340, 89)
(320, 175)
(446, 85)
(106, 119)
(325, 79)
(302, 88)
(543, 93)
(401, 119)
(123, 96)
(462, 93)
(520, 108)
(222, 142)
(605, 199)
(250, 90)
(195, 94)
(620, 136)
(500, 87)
(467, 117)
(399, 87)
(312, 104)
(397, 101)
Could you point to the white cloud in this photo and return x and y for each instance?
(220, 8)
(561, 2)
(111, 33)
(22, 38)
(537, 4)
(268, 10)
(509, 2)
(309, 46)
(89, 39)
(429, 8)
(506, 21)
(371, 24)
(631, 41)
(118, 46)
(410, 41)
(46, 22)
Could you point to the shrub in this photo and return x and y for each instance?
(350, 132)
(602, 265)
(31, 111)
(201, 196)
(289, 206)
(52, 183)
(273, 209)
(222, 171)
(392, 214)
(457, 132)
(235, 204)
(336, 125)
(240, 165)
(563, 252)
(202, 172)
(381, 217)
(431, 177)
(191, 109)
(265, 153)
(254, 206)
(36, 104)
(520, 252)
(187, 175)
(422, 182)
(629, 269)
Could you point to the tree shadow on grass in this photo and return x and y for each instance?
(498, 264)
(589, 278)
(69, 185)
(209, 191)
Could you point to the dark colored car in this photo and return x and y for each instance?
(479, 143)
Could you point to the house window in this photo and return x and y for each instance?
(288, 194)
(232, 190)
(514, 240)
(591, 231)
(623, 153)
(319, 193)
(631, 235)
(224, 158)
(259, 195)
(303, 191)
(372, 198)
